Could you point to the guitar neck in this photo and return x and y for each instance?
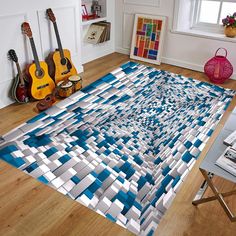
(20, 73)
(58, 40)
(35, 54)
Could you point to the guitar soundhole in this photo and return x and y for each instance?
(39, 73)
(63, 61)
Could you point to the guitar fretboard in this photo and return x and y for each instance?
(20, 73)
(35, 55)
(58, 40)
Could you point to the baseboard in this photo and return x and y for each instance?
(97, 55)
(80, 69)
(183, 64)
(187, 65)
(123, 51)
(175, 62)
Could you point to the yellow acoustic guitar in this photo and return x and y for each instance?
(41, 84)
(62, 65)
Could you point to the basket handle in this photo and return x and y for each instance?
(226, 52)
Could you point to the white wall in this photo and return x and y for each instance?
(181, 50)
(13, 13)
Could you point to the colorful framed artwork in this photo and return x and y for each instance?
(148, 38)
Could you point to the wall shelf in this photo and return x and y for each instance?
(93, 51)
(88, 4)
(88, 22)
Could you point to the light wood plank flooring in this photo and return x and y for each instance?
(28, 207)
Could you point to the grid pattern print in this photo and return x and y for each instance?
(122, 146)
(147, 38)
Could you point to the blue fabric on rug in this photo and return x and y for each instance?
(123, 145)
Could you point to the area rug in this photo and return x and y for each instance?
(122, 146)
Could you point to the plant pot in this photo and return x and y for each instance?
(230, 31)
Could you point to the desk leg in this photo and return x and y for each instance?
(199, 196)
(217, 196)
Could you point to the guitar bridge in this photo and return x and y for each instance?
(42, 86)
(65, 72)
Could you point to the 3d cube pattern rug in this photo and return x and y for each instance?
(123, 145)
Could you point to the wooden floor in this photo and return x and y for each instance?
(28, 207)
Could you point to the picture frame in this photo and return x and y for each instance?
(148, 38)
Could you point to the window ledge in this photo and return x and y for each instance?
(204, 34)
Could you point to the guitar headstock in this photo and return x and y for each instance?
(12, 55)
(26, 29)
(51, 15)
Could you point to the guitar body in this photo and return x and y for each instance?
(19, 92)
(63, 67)
(40, 85)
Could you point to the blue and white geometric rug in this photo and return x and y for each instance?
(122, 146)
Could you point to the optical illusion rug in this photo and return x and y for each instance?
(122, 146)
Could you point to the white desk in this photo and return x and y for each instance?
(208, 169)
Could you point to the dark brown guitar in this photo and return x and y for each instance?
(19, 89)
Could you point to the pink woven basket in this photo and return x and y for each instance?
(218, 69)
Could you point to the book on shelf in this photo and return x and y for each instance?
(227, 160)
(98, 32)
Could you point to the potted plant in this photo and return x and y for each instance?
(230, 25)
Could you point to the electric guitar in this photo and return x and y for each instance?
(41, 84)
(63, 67)
(19, 89)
